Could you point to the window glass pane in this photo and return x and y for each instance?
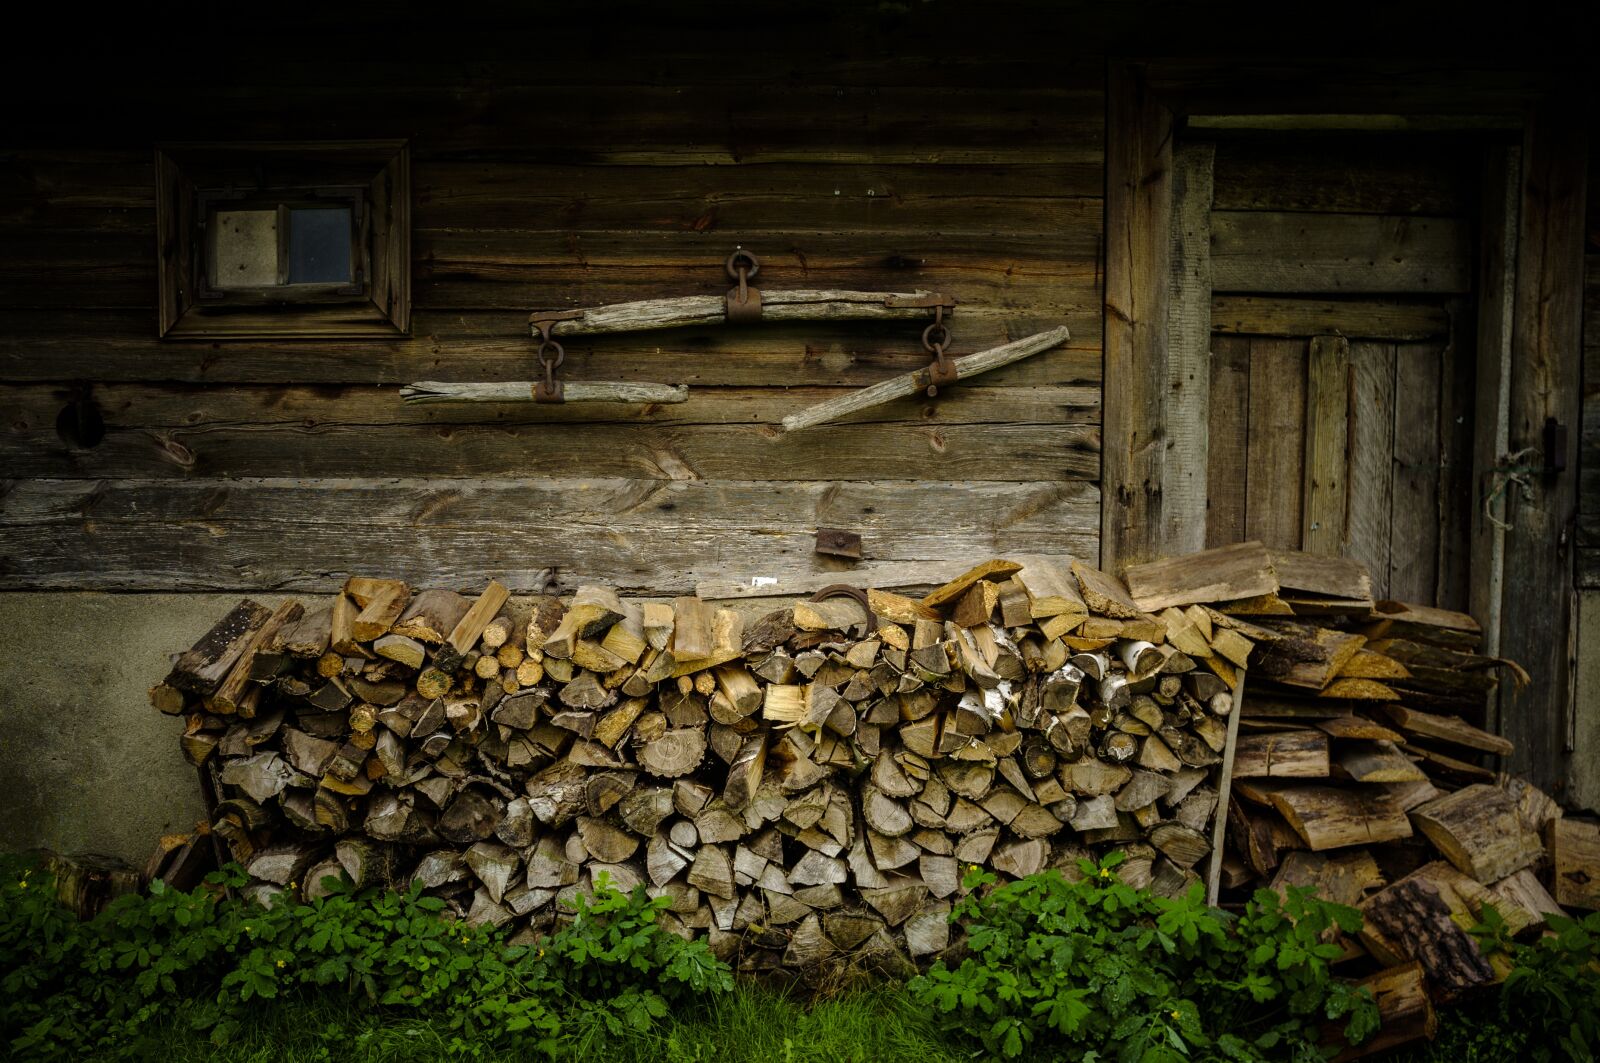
(319, 245)
(245, 254)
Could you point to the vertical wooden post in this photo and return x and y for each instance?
(1186, 399)
(1156, 377)
(1497, 273)
(1536, 621)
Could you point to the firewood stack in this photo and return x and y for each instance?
(810, 786)
(1360, 769)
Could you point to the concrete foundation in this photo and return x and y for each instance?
(86, 765)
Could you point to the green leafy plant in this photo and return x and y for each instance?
(72, 988)
(1548, 1000)
(1095, 970)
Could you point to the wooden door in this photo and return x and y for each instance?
(1356, 448)
(1341, 371)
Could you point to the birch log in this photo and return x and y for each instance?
(430, 391)
(910, 384)
(696, 310)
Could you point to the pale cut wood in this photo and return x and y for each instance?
(1575, 856)
(465, 634)
(1451, 729)
(917, 381)
(1284, 754)
(1377, 761)
(700, 310)
(1329, 577)
(1327, 817)
(1224, 573)
(1478, 830)
(426, 392)
(995, 569)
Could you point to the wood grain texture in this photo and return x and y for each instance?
(1187, 395)
(1371, 476)
(1537, 620)
(1317, 253)
(1354, 318)
(641, 535)
(1328, 388)
(1414, 505)
(1227, 471)
(1138, 213)
(1276, 444)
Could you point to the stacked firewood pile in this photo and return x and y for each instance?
(809, 785)
(1359, 770)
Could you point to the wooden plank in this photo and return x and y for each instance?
(1187, 396)
(1323, 504)
(493, 345)
(1346, 174)
(1282, 754)
(1265, 315)
(1227, 469)
(150, 407)
(1371, 477)
(1243, 570)
(1219, 818)
(308, 535)
(1457, 434)
(1272, 252)
(1138, 241)
(1414, 504)
(1537, 619)
(839, 452)
(1327, 577)
(1276, 444)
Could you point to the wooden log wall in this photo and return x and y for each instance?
(1588, 552)
(565, 181)
(1342, 350)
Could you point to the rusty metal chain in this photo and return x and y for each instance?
(742, 303)
(549, 389)
(935, 340)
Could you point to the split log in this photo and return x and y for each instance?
(918, 381)
(1575, 856)
(1477, 829)
(427, 392)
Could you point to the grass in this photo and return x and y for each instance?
(752, 1025)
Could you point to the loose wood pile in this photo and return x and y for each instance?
(806, 787)
(1359, 769)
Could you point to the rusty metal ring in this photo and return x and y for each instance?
(561, 354)
(943, 331)
(748, 257)
(844, 590)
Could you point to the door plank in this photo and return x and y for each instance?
(1276, 447)
(1227, 471)
(1414, 506)
(1327, 445)
(1371, 474)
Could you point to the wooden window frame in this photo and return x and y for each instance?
(372, 177)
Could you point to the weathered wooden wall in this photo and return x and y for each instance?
(560, 181)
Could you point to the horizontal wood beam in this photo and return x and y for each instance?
(641, 535)
(575, 391)
(1281, 252)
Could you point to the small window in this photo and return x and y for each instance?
(288, 248)
(302, 240)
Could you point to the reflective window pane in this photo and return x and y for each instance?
(319, 245)
(245, 254)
